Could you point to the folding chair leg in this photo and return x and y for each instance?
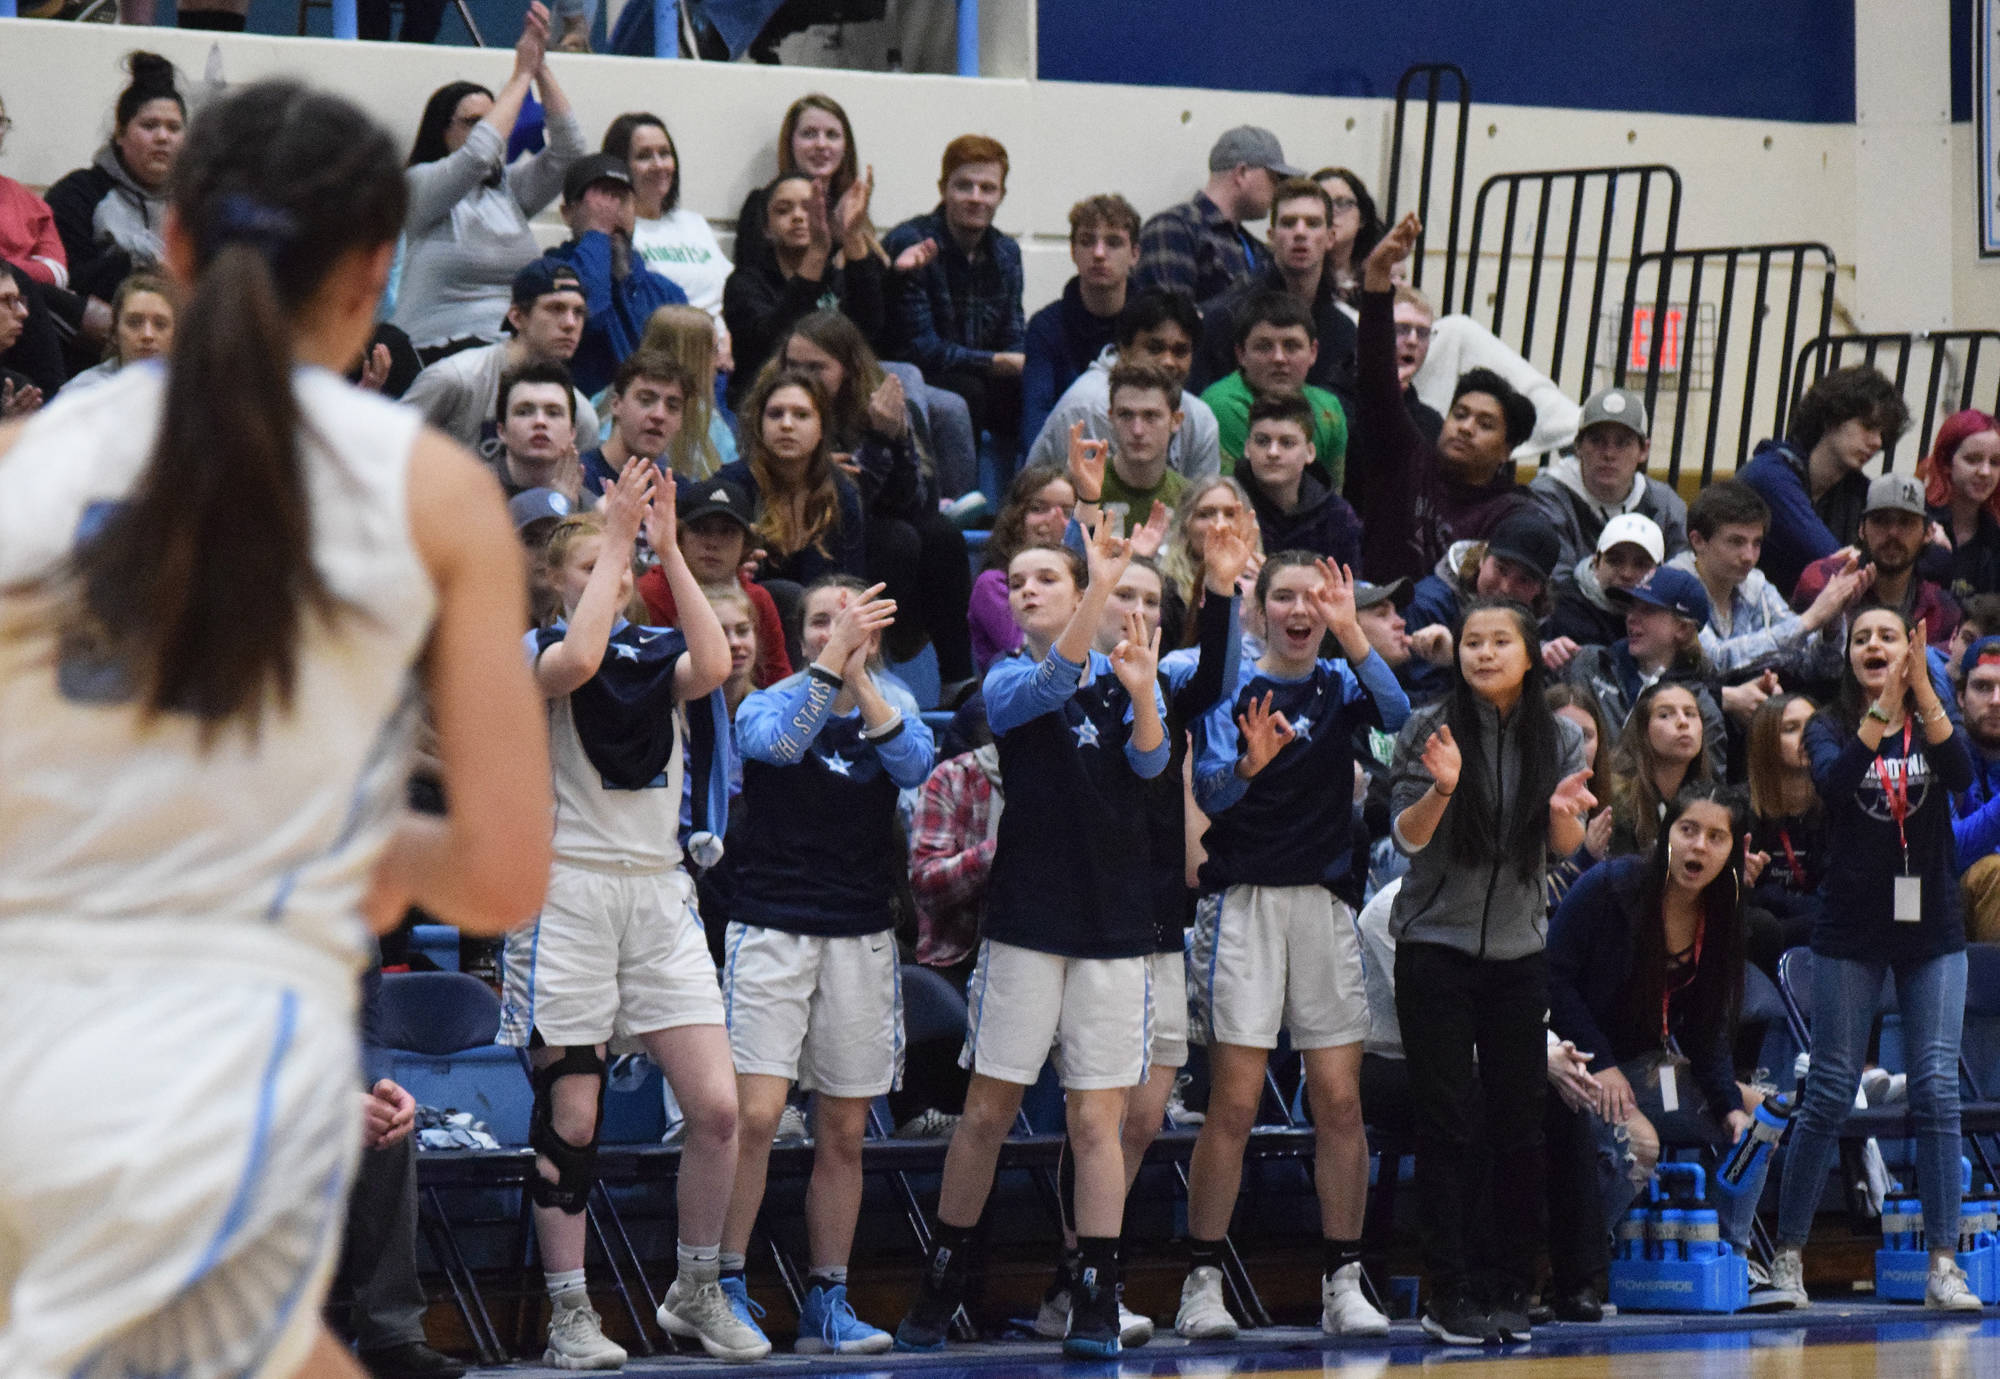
(471, 25)
(459, 1277)
(788, 1274)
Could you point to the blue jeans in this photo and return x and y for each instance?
(1931, 996)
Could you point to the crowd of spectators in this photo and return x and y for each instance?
(1565, 741)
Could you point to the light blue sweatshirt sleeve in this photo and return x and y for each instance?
(1147, 764)
(778, 725)
(908, 753)
(1018, 690)
(1374, 678)
(1216, 784)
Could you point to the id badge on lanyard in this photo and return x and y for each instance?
(1909, 902)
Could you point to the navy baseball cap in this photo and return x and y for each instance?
(538, 504)
(1984, 652)
(1677, 591)
(539, 277)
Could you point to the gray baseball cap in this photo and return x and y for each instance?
(1250, 146)
(1895, 493)
(1620, 405)
(1367, 595)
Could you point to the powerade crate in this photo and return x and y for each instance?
(1902, 1265)
(1670, 1255)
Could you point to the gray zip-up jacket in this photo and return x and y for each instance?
(1485, 911)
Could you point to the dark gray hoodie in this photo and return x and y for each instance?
(1486, 911)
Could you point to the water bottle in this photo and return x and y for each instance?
(1632, 1234)
(1896, 1222)
(1768, 1124)
(1704, 1233)
(1673, 1233)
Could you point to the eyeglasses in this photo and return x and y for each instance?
(1343, 204)
(1408, 331)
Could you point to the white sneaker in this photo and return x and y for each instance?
(1133, 1329)
(1344, 1309)
(1947, 1291)
(576, 1341)
(1203, 1315)
(792, 1127)
(705, 1314)
(1787, 1286)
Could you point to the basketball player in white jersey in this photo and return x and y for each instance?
(222, 584)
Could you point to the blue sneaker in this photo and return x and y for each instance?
(828, 1325)
(747, 1309)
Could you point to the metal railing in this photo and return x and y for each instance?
(1392, 204)
(1599, 215)
(1952, 377)
(1688, 325)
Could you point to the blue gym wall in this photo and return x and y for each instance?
(1750, 59)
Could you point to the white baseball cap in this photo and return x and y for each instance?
(1636, 529)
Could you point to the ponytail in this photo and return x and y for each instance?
(197, 586)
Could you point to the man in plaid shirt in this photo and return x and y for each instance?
(959, 317)
(1201, 247)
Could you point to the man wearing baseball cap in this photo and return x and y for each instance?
(716, 521)
(1893, 524)
(1202, 247)
(1604, 478)
(1516, 563)
(460, 393)
(1664, 615)
(1587, 609)
(621, 292)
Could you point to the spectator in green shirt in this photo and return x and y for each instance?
(1145, 415)
(1277, 342)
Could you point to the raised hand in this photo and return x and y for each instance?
(1136, 658)
(569, 473)
(1572, 798)
(1917, 668)
(1107, 553)
(533, 44)
(1389, 251)
(1086, 465)
(18, 402)
(1558, 652)
(1223, 559)
(1265, 734)
(1440, 757)
(1333, 599)
(1753, 863)
(627, 500)
(1147, 540)
(374, 369)
(662, 530)
(916, 256)
(1432, 644)
(850, 213)
(859, 625)
(886, 414)
(1842, 588)
(1597, 834)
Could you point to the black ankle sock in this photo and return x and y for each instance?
(1340, 1254)
(1097, 1261)
(1204, 1254)
(948, 1246)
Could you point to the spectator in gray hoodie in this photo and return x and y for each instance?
(1605, 478)
(467, 229)
(1485, 785)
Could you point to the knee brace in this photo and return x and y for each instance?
(575, 1165)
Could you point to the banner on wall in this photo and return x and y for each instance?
(1986, 46)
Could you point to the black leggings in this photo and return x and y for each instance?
(922, 561)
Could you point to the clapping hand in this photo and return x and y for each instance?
(1441, 758)
(1147, 540)
(1265, 734)
(858, 627)
(1572, 798)
(886, 407)
(916, 256)
(850, 213)
(1223, 559)
(662, 533)
(627, 501)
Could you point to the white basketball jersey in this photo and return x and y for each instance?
(103, 819)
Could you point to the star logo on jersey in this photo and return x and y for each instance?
(1086, 733)
(838, 764)
(630, 653)
(1302, 728)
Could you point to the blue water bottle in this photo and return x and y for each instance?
(1768, 1124)
(1632, 1234)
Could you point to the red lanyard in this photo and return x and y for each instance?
(1792, 858)
(1693, 970)
(1897, 795)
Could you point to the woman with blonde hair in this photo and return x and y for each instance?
(706, 442)
(1214, 502)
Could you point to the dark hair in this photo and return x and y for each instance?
(618, 143)
(1010, 528)
(1635, 795)
(1762, 766)
(1280, 309)
(1514, 407)
(198, 585)
(1148, 377)
(1983, 612)
(1478, 835)
(1564, 695)
(657, 365)
(548, 371)
(1857, 392)
(1282, 560)
(1291, 407)
(1715, 996)
(1372, 229)
(850, 160)
(1300, 189)
(428, 146)
(861, 372)
(152, 80)
(1848, 707)
(1079, 568)
(1727, 503)
(783, 532)
(1153, 308)
(1109, 210)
